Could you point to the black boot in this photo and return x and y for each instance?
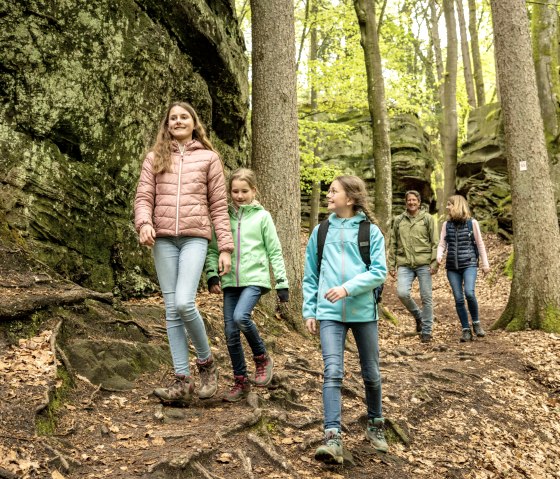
(477, 327)
(466, 336)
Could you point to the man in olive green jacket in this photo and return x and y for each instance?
(413, 254)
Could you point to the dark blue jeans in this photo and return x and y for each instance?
(333, 337)
(238, 306)
(462, 283)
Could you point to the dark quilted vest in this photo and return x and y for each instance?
(460, 249)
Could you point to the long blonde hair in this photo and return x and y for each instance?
(459, 211)
(355, 189)
(164, 139)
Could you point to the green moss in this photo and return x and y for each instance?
(508, 268)
(23, 329)
(265, 426)
(517, 323)
(551, 320)
(45, 423)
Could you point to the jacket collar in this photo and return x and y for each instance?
(342, 222)
(255, 205)
(189, 146)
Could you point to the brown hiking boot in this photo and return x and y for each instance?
(239, 390)
(179, 392)
(263, 370)
(208, 378)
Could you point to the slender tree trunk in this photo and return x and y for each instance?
(477, 63)
(534, 300)
(467, 70)
(449, 132)
(365, 11)
(545, 52)
(275, 146)
(315, 199)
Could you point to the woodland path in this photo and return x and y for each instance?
(486, 409)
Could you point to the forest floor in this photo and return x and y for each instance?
(489, 408)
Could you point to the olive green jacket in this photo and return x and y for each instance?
(414, 241)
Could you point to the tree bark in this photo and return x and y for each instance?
(477, 63)
(275, 146)
(545, 50)
(315, 199)
(465, 53)
(534, 300)
(449, 106)
(365, 11)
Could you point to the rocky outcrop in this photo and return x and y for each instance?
(410, 156)
(83, 88)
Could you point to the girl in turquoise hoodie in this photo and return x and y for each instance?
(338, 296)
(256, 248)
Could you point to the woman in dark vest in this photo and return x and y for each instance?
(461, 237)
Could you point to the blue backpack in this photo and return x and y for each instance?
(363, 244)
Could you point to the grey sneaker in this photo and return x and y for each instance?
(208, 378)
(466, 336)
(426, 337)
(240, 389)
(331, 451)
(478, 329)
(375, 433)
(179, 392)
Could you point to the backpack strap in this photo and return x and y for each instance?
(321, 237)
(363, 242)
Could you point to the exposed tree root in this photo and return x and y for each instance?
(276, 458)
(205, 472)
(61, 458)
(145, 331)
(305, 370)
(5, 474)
(246, 463)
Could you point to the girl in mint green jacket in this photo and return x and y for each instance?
(256, 248)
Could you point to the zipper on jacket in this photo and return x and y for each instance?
(240, 215)
(178, 194)
(456, 247)
(342, 271)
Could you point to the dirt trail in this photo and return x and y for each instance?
(486, 409)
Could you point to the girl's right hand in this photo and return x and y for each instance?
(311, 325)
(147, 235)
(215, 289)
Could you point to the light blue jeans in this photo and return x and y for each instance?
(179, 262)
(333, 337)
(464, 278)
(405, 278)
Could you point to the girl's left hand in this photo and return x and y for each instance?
(335, 294)
(486, 269)
(224, 263)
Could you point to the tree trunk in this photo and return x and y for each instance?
(449, 132)
(365, 11)
(545, 51)
(475, 49)
(275, 148)
(534, 300)
(315, 199)
(467, 70)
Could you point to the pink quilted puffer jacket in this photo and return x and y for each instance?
(181, 202)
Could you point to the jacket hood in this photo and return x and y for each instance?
(190, 146)
(354, 220)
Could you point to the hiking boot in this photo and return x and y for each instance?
(426, 337)
(466, 336)
(477, 329)
(330, 452)
(263, 370)
(239, 390)
(375, 433)
(179, 392)
(208, 378)
(418, 325)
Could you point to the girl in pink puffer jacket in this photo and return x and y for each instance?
(181, 194)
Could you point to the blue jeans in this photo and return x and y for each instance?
(238, 306)
(464, 279)
(179, 262)
(405, 278)
(333, 337)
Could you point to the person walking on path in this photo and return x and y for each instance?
(181, 187)
(338, 296)
(462, 239)
(413, 254)
(257, 247)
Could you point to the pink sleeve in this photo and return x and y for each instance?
(480, 244)
(442, 246)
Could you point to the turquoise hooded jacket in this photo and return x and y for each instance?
(342, 265)
(256, 248)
